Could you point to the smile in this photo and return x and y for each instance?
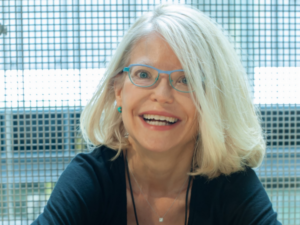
(158, 120)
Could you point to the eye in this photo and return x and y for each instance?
(184, 80)
(143, 74)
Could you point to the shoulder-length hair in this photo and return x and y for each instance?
(230, 136)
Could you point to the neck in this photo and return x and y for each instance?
(160, 173)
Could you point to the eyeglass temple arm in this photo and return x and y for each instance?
(126, 69)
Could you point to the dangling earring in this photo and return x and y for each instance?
(120, 109)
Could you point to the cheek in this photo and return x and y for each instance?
(132, 99)
(192, 114)
(188, 104)
(127, 94)
(132, 95)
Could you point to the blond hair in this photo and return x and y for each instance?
(230, 136)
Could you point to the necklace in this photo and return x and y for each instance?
(161, 219)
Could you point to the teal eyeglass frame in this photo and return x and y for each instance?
(127, 69)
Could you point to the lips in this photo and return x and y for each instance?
(159, 120)
(154, 118)
(159, 113)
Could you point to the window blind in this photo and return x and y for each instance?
(54, 53)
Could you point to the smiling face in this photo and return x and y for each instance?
(157, 118)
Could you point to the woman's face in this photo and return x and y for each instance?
(140, 105)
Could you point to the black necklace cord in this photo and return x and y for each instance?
(132, 198)
(135, 214)
(186, 200)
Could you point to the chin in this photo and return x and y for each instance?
(156, 145)
(157, 149)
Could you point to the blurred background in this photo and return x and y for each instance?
(53, 55)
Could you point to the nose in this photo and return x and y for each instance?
(163, 91)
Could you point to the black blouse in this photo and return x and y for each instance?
(92, 190)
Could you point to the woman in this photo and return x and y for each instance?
(176, 107)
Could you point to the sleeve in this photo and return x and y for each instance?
(76, 197)
(247, 201)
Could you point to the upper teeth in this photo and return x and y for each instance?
(157, 117)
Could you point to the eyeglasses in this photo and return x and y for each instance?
(146, 76)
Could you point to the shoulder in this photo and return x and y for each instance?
(99, 160)
(236, 186)
(241, 182)
(246, 200)
(96, 174)
(240, 187)
(99, 156)
(96, 166)
(88, 189)
(240, 198)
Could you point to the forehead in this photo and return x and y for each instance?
(153, 50)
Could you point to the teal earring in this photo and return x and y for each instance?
(120, 109)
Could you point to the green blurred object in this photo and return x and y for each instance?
(3, 29)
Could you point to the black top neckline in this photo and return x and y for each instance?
(191, 211)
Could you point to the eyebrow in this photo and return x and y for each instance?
(149, 64)
(144, 63)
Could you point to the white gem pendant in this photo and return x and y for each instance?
(161, 219)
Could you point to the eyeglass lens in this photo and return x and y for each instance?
(145, 77)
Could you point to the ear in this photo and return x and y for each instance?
(118, 87)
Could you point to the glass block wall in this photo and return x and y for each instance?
(55, 52)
